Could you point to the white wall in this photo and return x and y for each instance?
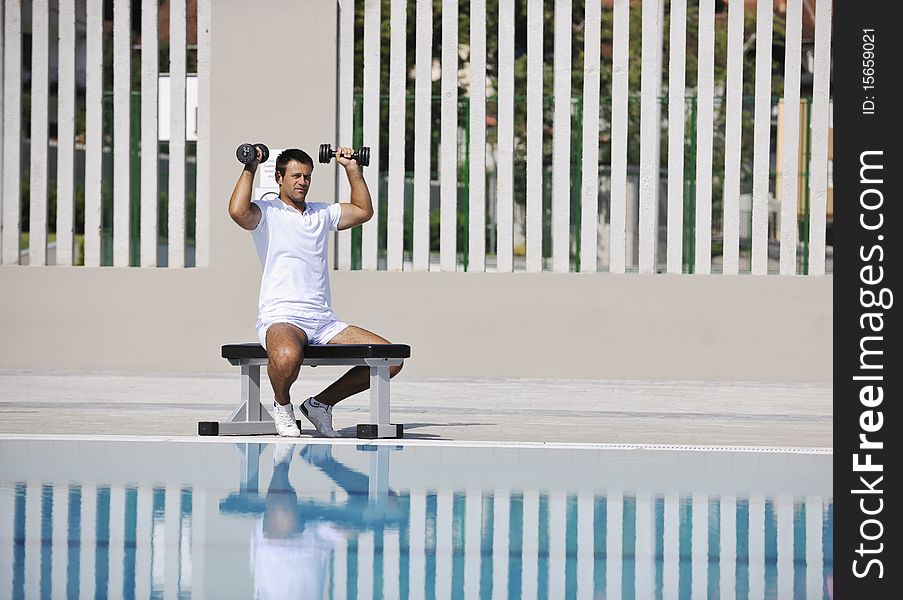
(718, 328)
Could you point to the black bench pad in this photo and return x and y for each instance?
(252, 351)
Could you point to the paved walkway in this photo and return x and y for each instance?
(505, 410)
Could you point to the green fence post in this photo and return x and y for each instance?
(357, 137)
(689, 237)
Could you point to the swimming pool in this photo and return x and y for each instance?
(219, 519)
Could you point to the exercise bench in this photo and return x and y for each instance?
(252, 418)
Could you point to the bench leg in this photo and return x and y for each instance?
(250, 417)
(250, 394)
(379, 394)
(379, 408)
(249, 409)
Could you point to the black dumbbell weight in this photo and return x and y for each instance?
(362, 155)
(248, 152)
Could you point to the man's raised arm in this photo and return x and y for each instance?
(242, 211)
(360, 209)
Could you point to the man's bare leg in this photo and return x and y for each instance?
(285, 348)
(357, 379)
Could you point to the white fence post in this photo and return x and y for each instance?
(650, 132)
(619, 98)
(504, 247)
(705, 90)
(3, 204)
(791, 137)
(477, 182)
(589, 188)
(149, 128)
(40, 91)
(762, 138)
(345, 115)
(397, 128)
(676, 109)
(423, 104)
(732, 134)
(93, 133)
(820, 122)
(372, 19)
(65, 176)
(561, 139)
(122, 99)
(202, 154)
(177, 75)
(448, 140)
(534, 135)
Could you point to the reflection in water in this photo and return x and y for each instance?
(364, 538)
(295, 539)
(81, 540)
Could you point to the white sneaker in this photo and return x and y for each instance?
(284, 417)
(321, 416)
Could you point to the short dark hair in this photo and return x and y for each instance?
(289, 155)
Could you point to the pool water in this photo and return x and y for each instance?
(218, 519)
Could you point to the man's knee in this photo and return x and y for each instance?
(286, 358)
(393, 371)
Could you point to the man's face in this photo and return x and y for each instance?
(296, 182)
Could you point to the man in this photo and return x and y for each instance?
(295, 307)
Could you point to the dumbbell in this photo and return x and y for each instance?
(362, 156)
(247, 153)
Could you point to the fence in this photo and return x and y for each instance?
(103, 203)
(602, 256)
(546, 135)
(508, 146)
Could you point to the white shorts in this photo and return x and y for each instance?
(319, 327)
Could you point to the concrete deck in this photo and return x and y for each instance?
(506, 410)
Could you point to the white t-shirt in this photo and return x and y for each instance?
(293, 248)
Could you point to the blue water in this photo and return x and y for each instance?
(97, 519)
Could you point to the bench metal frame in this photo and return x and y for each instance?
(250, 417)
